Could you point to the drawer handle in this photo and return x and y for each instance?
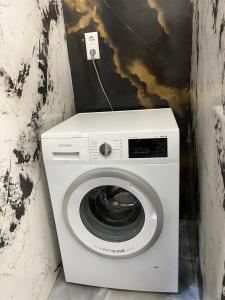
(66, 155)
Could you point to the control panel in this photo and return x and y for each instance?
(128, 148)
(104, 148)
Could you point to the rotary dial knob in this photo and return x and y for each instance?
(105, 149)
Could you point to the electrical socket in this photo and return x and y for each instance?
(92, 45)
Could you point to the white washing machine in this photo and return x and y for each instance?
(114, 184)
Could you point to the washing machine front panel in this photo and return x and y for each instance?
(113, 212)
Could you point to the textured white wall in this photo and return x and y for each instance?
(35, 94)
(208, 91)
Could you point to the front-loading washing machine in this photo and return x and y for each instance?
(114, 185)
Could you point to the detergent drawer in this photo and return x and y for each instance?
(65, 150)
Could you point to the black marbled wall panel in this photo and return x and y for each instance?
(145, 48)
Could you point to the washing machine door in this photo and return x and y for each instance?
(113, 212)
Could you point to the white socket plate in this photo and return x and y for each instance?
(91, 41)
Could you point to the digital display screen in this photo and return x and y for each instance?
(144, 148)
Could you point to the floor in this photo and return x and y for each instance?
(188, 286)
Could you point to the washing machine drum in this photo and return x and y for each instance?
(113, 212)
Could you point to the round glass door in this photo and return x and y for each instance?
(112, 213)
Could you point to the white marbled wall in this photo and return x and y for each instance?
(35, 94)
(208, 91)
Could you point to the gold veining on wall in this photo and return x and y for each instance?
(176, 98)
(161, 15)
(79, 6)
(91, 14)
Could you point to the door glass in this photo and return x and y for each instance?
(112, 213)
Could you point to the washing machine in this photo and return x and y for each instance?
(114, 185)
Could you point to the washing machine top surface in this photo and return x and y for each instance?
(145, 120)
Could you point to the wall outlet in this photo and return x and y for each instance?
(92, 45)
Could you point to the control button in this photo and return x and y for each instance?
(105, 149)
